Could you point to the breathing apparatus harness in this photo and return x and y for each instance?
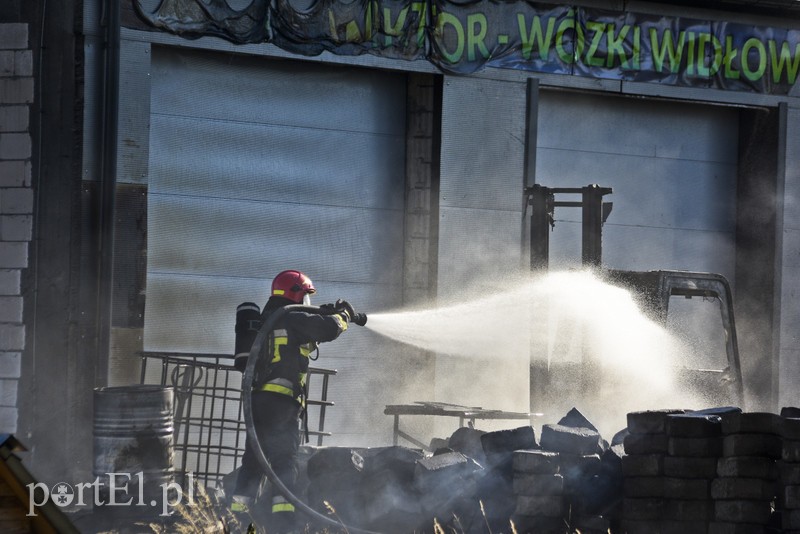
(247, 380)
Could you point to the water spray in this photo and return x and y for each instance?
(558, 319)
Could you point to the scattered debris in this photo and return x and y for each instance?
(715, 471)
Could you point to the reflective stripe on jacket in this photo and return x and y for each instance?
(284, 368)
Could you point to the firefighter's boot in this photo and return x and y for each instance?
(283, 519)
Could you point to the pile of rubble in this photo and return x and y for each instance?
(475, 481)
(716, 471)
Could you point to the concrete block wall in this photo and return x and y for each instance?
(16, 207)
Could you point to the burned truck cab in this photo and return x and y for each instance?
(655, 291)
(709, 364)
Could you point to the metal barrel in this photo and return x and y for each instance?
(133, 442)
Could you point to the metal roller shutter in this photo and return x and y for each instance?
(672, 167)
(259, 166)
(673, 170)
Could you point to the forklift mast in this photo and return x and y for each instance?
(652, 289)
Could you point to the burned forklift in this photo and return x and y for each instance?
(652, 290)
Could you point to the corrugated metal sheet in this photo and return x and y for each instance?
(789, 365)
(258, 166)
(673, 171)
(474, 244)
(92, 110)
(791, 208)
(481, 182)
(338, 168)
(672, 167)
(483, 142)
(482, 158)
(235, 88)
(134, 123)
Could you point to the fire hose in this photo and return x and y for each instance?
(247, 380)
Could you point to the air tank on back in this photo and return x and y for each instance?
(248, 322)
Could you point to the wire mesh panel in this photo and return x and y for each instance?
(209, 421)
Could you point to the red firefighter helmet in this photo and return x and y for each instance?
(292, 285)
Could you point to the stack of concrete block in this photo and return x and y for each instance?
(558, 491)
(609, 505)
(393, 489)
(389, 502)
(745, 489)
(539, 492)
(580, 472)
(789, 468)
(565, 485)
(447, 486)
(496, 489)
(694, 444)
(646, 446)
(334, 477)
(579, 448)
(467, 441)
(588, 484)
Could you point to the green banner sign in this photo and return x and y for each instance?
(466, 36)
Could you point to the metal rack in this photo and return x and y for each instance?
(209, 424)
(466, 414)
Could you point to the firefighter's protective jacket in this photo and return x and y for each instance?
(283, 369)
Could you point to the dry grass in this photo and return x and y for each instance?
(200, 516)
(206, 515)
(332, 511)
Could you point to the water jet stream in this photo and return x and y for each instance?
(562, 318)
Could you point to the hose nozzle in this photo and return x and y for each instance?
(360, 319)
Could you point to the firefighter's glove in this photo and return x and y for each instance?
(328, 309)
(358, 318)
(345, 308)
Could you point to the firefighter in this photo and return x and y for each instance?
(278, 396)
